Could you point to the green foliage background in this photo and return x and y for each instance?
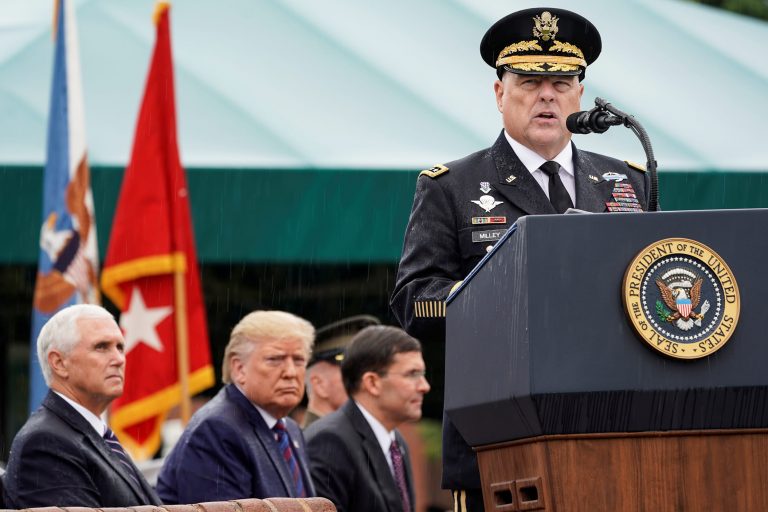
(755, 8)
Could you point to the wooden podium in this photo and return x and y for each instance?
(569, 410)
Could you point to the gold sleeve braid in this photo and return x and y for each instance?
(429, 309)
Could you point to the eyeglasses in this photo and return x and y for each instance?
(411, 375)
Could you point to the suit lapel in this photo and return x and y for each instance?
(515, 181)
(407, 464)
(62, 409)
(591, 196)
(265, 437)
(381, 471)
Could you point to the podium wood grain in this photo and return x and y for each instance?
(713, 470)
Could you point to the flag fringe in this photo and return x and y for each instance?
(114, 275)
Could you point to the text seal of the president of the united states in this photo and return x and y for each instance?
(681, 298)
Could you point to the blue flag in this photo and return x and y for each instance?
(68, 260)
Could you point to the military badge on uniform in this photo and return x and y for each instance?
(614, 176)
(624, 198)
(635, 166)
(485, 187)
(489, 220)
(681, 298)
(594, 178)
(510, 178)
(487, 203)
(435, 171)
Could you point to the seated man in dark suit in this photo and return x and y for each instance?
(65, 455)
(241, 444)
(358, 458)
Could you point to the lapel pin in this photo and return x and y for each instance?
(510, 178)
(594, 178)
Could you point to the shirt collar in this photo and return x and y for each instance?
(97, 423)
(270, 420)
(532, 160)
(383, 436)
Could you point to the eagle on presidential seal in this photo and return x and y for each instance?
(681, 291)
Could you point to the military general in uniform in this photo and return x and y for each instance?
(462, 208)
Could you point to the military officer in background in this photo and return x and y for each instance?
(325, 389)
(462, 208)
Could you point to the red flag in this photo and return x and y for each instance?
(150, 272)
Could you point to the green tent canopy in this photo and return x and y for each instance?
(303, 124)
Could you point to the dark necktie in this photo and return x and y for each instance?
(558, 196)
(284, 444)
(399, 474)
(114, 445)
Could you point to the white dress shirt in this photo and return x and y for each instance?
(383, 436)
(532, 161)
(270, 420)
(97, 423)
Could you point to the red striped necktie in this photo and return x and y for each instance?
(284, 444)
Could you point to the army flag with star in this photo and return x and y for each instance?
(150, 271)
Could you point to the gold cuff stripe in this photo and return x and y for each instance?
(429, 309)
(541, 59)
(459, 501)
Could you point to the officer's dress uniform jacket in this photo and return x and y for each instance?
(442, 245)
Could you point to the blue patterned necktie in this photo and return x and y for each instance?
(284, 444)
(114, 445)
(399, 474)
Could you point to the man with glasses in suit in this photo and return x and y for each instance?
(358, 458)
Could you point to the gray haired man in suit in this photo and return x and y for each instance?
(65, 455)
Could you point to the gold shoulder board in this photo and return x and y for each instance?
(635, 166)
(435, 171)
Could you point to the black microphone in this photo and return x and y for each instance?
(596, 120)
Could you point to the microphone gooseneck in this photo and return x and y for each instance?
(603, 116)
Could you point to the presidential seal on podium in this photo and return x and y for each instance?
(682, 298)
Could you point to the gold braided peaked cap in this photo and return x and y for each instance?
(541, 41)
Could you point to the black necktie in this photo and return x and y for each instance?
(118, 450)
(558, 196)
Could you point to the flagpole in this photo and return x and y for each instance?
(182, 341)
